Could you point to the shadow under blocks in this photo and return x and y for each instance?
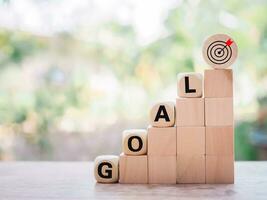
(190, 140)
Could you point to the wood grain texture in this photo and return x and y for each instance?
(220, 140)
(133, 169)
(219, 112)
(218, 83)
(109, 171)
(195, 85)
(219, 169)
(162, 169)
(190, 112)
(75, 180)
(191, 140)
(134, 142)
(191, 168)
(161, 141)
(156, 109)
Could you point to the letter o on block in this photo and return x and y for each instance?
(106, 169)
(134, 142)
(162, 114)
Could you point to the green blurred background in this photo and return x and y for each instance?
(75, 74)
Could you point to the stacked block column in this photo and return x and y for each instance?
(218, 90)
(162, 144)
(133, 160)
(190, 129)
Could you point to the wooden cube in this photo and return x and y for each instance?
(162, 169)
(134, 142)
(190, 140)
(190, 112)
(219, 111)
(106, 169)
(218, 83)
(162, 114)
(189, 84)
(191, 168)
(219, 169)
(133, 169)
(161, 141)
(220, 140)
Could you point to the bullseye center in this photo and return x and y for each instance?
(219, 51)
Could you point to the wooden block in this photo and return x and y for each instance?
(162, 169)
(190, 112)
(218, 83)
(162, 114)
(134, 142)
(189, 84)
(219, 111)
(190, 140)
(106, 169)
(220, 140)
(133, 169)
(219, 169)
(191, 168)
(161, 141)
(219, 51)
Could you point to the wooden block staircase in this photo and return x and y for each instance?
(190, 141)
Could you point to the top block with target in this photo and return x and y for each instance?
(219, 51)
(189, 85)
(162, 114)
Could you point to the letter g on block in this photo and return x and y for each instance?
(106, 169)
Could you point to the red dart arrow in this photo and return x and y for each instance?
(229, 42)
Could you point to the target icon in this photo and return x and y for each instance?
(219, 51)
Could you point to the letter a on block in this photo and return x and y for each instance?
(162, 114)
(107, 169)
(189, 85)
